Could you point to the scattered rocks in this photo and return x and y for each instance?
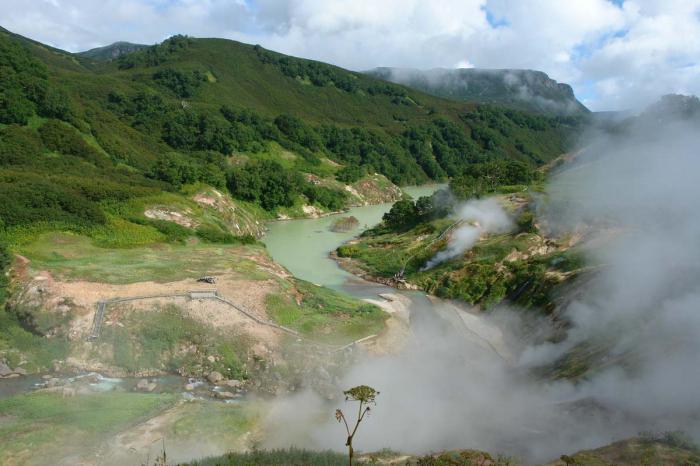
(6, 372)
(224, 395)
(233, 383)
(53, 382)
(4, 369)
(215, 377)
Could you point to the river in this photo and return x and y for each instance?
(303, 246)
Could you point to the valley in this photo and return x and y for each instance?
(204, 243)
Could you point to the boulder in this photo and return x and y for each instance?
(4, 369)
(215, 377)
(224, 395)
(20, 371)
(189, 387)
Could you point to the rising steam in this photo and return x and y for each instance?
(480, 217)
(635, 198)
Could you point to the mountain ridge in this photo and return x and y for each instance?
(112, 51)
(523, 89)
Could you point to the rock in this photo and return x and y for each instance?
(145, 386)
(215, 377)
(233, 383)
(68, 392)
(224, 395)
(56, 366)
(46, 376)
(4, 369)
(20, 371)
(189, 387)
(211, 358)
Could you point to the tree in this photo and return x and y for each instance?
(401, 214)
(365, 395)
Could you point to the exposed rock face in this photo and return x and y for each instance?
(172, 215)
(112, 51)
(239, 220)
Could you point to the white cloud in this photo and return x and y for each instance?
(630, 54)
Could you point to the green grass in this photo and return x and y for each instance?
(325, 315)
(480, 276)
(73, 256)
(37, 428)
(282, 457)
(215, 421)
(153, 341)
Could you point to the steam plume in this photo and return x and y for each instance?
(482, 217)
(635, 197)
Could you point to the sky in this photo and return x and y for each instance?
(617, 54)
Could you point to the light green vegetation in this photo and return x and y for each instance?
(217, 422)
(325, 315)
(521, 265)
(37, 428)
(76, 257)
(646, 450)
(154, 339)
(283, 457)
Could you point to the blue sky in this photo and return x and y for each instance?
(616, 54)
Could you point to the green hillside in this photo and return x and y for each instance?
(82, 140)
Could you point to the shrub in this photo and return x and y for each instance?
(213, 234)
(182, 83)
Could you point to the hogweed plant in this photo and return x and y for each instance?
(365, 396)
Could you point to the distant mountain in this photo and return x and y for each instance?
(521, 89)
(674, 106)
(112, 51)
